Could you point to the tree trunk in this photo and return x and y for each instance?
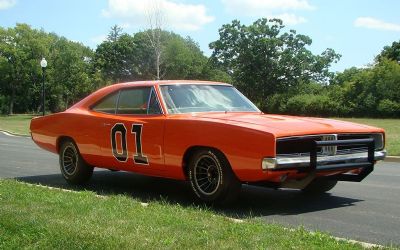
(158, 66)
(11, 107)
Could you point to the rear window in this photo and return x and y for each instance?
(133, 101)
(108, 104)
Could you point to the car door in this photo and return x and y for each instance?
(132, 138)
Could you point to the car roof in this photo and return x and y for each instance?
(170, 82)
(100, 93)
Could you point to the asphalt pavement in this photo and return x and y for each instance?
(368, 211)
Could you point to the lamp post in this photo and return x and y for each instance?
(43, 64)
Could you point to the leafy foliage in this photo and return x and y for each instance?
(116, 58)
(75, 70)
(370, 92)
(67, 76)
(128, 58)
(272, 66)
(390, 52)
(263, 60)
(20, 50)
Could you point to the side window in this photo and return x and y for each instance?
(133, 101)
(154, 106)
(108, 104)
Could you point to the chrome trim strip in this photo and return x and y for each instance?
(320, 135)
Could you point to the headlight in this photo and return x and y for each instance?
(379, 143)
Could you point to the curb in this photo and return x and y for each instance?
(392, 159)
(6, 132)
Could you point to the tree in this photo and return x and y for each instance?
(116, 57)
(263, 61)
(114, 34)
(145, 59)
(20, 50)
(72, 62)
(182, 59)
(345, 76)
(386, 78)
(390, 52)
(155, 20)
(68, 74)
(373, 91)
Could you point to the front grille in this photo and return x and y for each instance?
(302, 145)
(296, 145)
(352, 137)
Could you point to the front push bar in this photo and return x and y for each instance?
(366, 166)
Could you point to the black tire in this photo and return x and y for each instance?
(73, 168)
(212, 178)
(319, 186)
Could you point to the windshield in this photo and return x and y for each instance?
(205, 98)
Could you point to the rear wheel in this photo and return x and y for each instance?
(319, 186)
(73, 168)
(212, 178)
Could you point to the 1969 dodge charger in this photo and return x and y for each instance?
(207, 133)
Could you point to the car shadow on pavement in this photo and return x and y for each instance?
(253, 201)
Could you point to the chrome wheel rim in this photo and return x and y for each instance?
(207, 175)
(70, 160)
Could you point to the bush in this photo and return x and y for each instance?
(388, 108)
(275, 103)
(304, 104)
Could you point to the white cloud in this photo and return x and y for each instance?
(179, 16)
(373, 23)
(289, 19)
(269, 8)
(6, 4)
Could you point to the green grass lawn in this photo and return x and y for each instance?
(16, 123)
(36, 217)
(20, 124)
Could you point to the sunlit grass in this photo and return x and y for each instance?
(36, 217)
(18, 124)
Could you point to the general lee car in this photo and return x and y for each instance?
(207, 133)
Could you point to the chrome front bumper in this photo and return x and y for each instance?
(288, 162)
(344, 161)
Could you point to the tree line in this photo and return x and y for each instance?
(75, 70)
(272, 66)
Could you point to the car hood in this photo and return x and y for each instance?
(282, 125)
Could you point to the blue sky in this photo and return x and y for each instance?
(356, 29)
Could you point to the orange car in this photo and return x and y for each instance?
(207, 133)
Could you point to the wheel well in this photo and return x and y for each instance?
(189, 152)
(61, 140)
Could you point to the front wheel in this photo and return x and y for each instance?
(73, 168)
(319, 186)
(212, 178)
